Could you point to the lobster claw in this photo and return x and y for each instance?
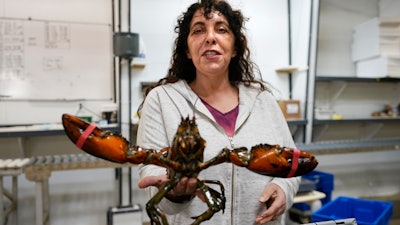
(301, 162)
(95, 141)
(273, 160)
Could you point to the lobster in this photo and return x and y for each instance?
(185, 159)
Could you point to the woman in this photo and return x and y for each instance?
(213, 78)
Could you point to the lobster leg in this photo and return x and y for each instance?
(214, 199)
(157, 216)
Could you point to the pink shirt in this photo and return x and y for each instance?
(226, 120)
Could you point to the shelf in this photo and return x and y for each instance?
(139, 63)
(297, 122)
(356, 79)
(350, 146)
(42, 130)
(290, 69)
(362, 129)
(363, 120)
(346, 96)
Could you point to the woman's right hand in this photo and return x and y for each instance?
(184, 188)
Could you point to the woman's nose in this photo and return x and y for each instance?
(211, 37)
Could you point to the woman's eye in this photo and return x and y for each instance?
(222, 30)
(197, 31)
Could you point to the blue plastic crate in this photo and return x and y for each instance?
(366, 212)
(325, 183)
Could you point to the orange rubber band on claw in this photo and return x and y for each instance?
(295, 162)
(85, 135)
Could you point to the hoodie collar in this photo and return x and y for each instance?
(247, 98)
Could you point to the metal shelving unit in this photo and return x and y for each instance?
(366, 126)
(351, 146)
(348, 133)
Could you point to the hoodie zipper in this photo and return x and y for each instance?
(231, 142)
(232, 181)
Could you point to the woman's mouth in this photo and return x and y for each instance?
(210, 53)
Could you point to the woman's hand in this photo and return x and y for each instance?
(275, 200)
(182, 192)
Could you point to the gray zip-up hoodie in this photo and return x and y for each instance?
(260, 120)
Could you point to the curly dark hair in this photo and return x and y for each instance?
(241, 68)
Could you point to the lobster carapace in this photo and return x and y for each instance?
(185, 159)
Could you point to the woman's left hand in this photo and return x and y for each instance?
(275, 200)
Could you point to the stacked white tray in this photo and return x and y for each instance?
(376, 48)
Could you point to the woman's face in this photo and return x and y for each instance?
(210, 43)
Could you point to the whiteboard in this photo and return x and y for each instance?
(42, 60)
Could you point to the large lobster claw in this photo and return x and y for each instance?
(280, 161)
(95, 141)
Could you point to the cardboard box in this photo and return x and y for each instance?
(290, 109)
